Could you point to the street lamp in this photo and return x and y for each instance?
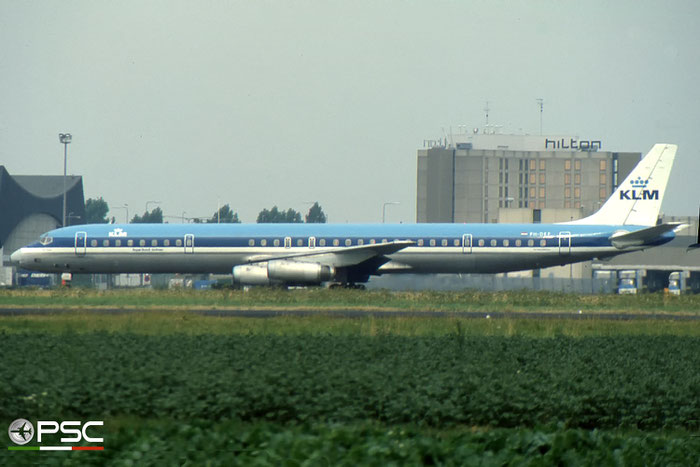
(384, 208)
(65, 139)
(151, 202)
(126, 206)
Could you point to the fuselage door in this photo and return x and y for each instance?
(80, 243)
(467, 243)
(312, 242)
(564, 243)
(189, 243)
(287, 242)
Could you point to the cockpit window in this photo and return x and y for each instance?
(45, 240)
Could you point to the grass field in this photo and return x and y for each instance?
(177, 387)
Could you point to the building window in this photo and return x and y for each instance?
(567, 192)
(603, 193)
(567, 179)
(577, 179)
(603, 178)
(543, 164)
(533, 180)
(577, 192)
(542, 179)
(567, 164)
(577, 164)
(577, 204)
(533, 164)
(603, 164)
(541, 192)
(567, 204)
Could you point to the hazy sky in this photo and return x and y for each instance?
(257, 103)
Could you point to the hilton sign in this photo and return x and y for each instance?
(573, 144)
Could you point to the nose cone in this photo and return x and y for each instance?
(16, 257)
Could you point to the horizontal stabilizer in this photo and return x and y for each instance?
(646, 236)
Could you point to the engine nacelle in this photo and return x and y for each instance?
(282, 271)
(251, 274)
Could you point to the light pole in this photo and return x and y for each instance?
(126, 206)
(151, 202)
(384, 209)
(65, 139)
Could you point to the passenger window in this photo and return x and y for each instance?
(300, 242)
(117, 243)
(444, 242)
(251, 242)
(506, 242)
(336, 242)
(384, 240)
(543, 242)
(494, 242)
(263, 242)
(360, 242)
(142, 242)
(276, 242)
(518, 242)
(93, 243)
(322, 242)
(129, 243)
(372, 241)
(432, 242)
(166, 242)
(154, 242)
(481, 242)
(105, 242)
(420, 242)
(178, 242)
(456, 242)
(531, 242)
(348, 242)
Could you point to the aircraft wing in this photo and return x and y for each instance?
(624, 240)
(339, 257)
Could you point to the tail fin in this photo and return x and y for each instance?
(637, 200)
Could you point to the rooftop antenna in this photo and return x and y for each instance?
(540, 101)
(486, 109)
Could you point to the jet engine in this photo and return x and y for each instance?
(282, 272)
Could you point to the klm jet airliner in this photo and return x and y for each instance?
(348, 254)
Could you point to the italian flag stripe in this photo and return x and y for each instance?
(56, 448)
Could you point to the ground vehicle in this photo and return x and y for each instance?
(627, 282)
(674, 283)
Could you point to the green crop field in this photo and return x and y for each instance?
(177, 387)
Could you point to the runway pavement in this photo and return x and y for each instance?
(357, 314)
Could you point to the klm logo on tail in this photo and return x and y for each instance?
(639, 191)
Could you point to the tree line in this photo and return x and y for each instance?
(97, 210)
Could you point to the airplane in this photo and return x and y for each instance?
(23, 431)
(349, 254)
